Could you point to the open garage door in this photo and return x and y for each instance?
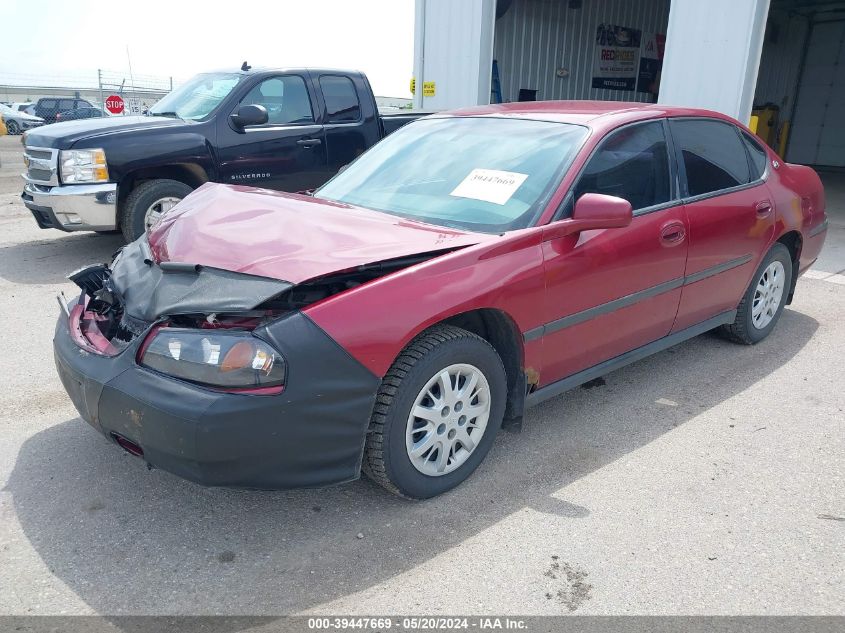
(818, 128)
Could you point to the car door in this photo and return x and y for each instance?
(286, 153)
(612, 290)
(729, 211)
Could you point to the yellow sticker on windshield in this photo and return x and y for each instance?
(489, 185)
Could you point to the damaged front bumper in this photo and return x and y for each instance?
(311, 434)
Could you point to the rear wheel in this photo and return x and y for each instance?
(147, 203)
(12, 127)
(436, 414)
(763, 302)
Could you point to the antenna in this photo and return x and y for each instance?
(245, 67)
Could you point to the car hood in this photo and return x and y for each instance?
(63, 135)
(289, 237)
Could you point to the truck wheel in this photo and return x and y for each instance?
(12, 128)
(763, 302)
(147, 203)
(436, 414)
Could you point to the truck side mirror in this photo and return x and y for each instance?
(252, 114)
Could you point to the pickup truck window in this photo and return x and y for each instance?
(488, 174)
(286, 99)
(342, 105)
(196, 98)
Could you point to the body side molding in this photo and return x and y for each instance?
(570, 382)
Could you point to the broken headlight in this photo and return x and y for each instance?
(234, 360)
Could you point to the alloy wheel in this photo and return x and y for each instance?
(157, 209)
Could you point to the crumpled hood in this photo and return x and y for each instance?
(287, 236)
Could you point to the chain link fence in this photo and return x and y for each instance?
(139, 91)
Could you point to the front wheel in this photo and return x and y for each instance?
(436, 414)
(765, 298)
(13, 128)
(147, 203)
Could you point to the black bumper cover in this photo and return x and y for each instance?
(312, 434)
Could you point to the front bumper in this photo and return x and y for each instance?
(73, 207)
(312, 434)
(29, 125)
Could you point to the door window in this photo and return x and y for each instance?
(286, 99)
(758, 155)
(633, 163)
(341, 98)
(713, 155)
(48, 104)
(65, 104)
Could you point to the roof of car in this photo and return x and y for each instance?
(591, 113)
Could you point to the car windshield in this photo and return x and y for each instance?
(488, 174)
(198, 97)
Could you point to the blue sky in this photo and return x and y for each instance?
(181, 38)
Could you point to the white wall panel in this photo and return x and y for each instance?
(712, 54)
(536, 37)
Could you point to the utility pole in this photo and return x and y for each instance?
(100, 85)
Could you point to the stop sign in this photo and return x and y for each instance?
(114, 104)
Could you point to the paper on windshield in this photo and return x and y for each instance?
(490, 185)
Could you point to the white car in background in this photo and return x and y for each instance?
(18, 121)
(24, 106)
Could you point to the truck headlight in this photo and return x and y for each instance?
(83, 165)
(231, 360)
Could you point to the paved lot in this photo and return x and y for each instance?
(706, 479)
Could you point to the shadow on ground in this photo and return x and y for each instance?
(131, 541)
(48, 261)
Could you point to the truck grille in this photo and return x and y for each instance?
(41, 163)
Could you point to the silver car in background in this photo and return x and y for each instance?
(18, 121)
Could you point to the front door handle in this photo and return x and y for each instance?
(672, 234)
(309, 142)
(763, 208)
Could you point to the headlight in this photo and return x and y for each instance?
(83, 165)
(216, 358)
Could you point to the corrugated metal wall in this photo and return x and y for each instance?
(536, 37)
(777, 80)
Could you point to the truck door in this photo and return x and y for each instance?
(351, 120)
(286, 153)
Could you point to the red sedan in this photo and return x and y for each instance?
(468, 266)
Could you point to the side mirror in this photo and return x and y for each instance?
(594, 211)
(252, 114)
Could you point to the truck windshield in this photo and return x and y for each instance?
(488, 174)
(196, 98)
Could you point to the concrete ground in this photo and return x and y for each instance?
(705, 480)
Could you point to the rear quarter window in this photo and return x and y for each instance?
(758, 156)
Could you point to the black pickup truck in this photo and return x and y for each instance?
(286, 129)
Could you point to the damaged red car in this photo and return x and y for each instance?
(468, 266)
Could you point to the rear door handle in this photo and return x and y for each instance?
(763, 208)
(672, 234)
(309, 142)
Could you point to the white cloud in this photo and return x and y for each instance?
(180, 39)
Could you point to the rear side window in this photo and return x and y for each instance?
(47, 104)
(758, 155)
(66, 104)
(713, 156)
(633, 163)
(341, 98)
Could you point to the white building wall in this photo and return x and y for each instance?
(453, 47)
(537, 37)
(713, 53)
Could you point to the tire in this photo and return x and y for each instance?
(133, 216)
(387, 459)
(748, 329)
(12, 128)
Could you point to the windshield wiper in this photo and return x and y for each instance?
(174, 115)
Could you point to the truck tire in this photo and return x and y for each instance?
(436, 414)
(147, 202)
